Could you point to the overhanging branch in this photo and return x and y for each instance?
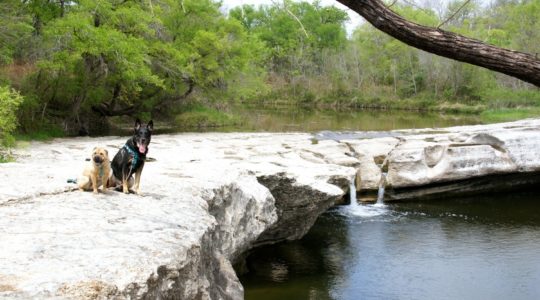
(448, 44)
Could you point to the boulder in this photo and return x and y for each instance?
(430, 163)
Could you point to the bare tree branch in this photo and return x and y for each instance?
(454, 14)
(295, 17)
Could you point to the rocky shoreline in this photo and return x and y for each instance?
(209, 198)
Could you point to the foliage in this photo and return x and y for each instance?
(78, 63)
(10, 100)
(200, 117)
(371, 65)
(295, 33)
(106, 57)
(505, 115)
(15, 28)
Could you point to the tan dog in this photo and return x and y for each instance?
(97, 173)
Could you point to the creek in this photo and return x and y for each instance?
(468, 248)
(280, 119)
(299, 119)
(475, 248)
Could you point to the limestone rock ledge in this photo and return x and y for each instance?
(434, 163)
(207, 199)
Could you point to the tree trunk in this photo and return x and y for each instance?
(448, 44)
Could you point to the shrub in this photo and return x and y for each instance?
(203, 117)
(9, 103)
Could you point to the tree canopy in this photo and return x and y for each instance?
(77, 63)
(123, 57)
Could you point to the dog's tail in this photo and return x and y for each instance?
(71, 180)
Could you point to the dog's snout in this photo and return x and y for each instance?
(98, 159)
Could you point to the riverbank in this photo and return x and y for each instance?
(208, 198)
(289, 116)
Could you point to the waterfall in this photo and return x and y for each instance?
(352, 194)
(357, 210)
(382, 184)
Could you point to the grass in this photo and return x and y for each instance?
(5, 153)
(506, 98)
(45, 133)
(509, 114)
(460, 108)
(385, 103)
(5, 158)
(385, 98)
(199, 116)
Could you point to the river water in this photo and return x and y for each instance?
(479, 248)
(298, 119)
(290, 118)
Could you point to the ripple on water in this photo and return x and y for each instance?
(361, 213)
(366, 212)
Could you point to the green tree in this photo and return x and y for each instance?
(299, 37)
(107, 58)
(15, 28)
(10, 100)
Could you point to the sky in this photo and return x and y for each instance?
(355, 19)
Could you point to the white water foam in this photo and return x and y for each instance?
(366, 211)
(362, 210)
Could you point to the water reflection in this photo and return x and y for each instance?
(481, 248)
(278, 119)
(291, 118)
(300, 270)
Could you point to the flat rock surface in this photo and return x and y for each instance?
(201, 206)
(207, 198)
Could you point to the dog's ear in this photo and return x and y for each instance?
(106, 152)
(150, 125)
(137, 124)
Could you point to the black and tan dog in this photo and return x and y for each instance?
(97, 173)
(130, 159)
